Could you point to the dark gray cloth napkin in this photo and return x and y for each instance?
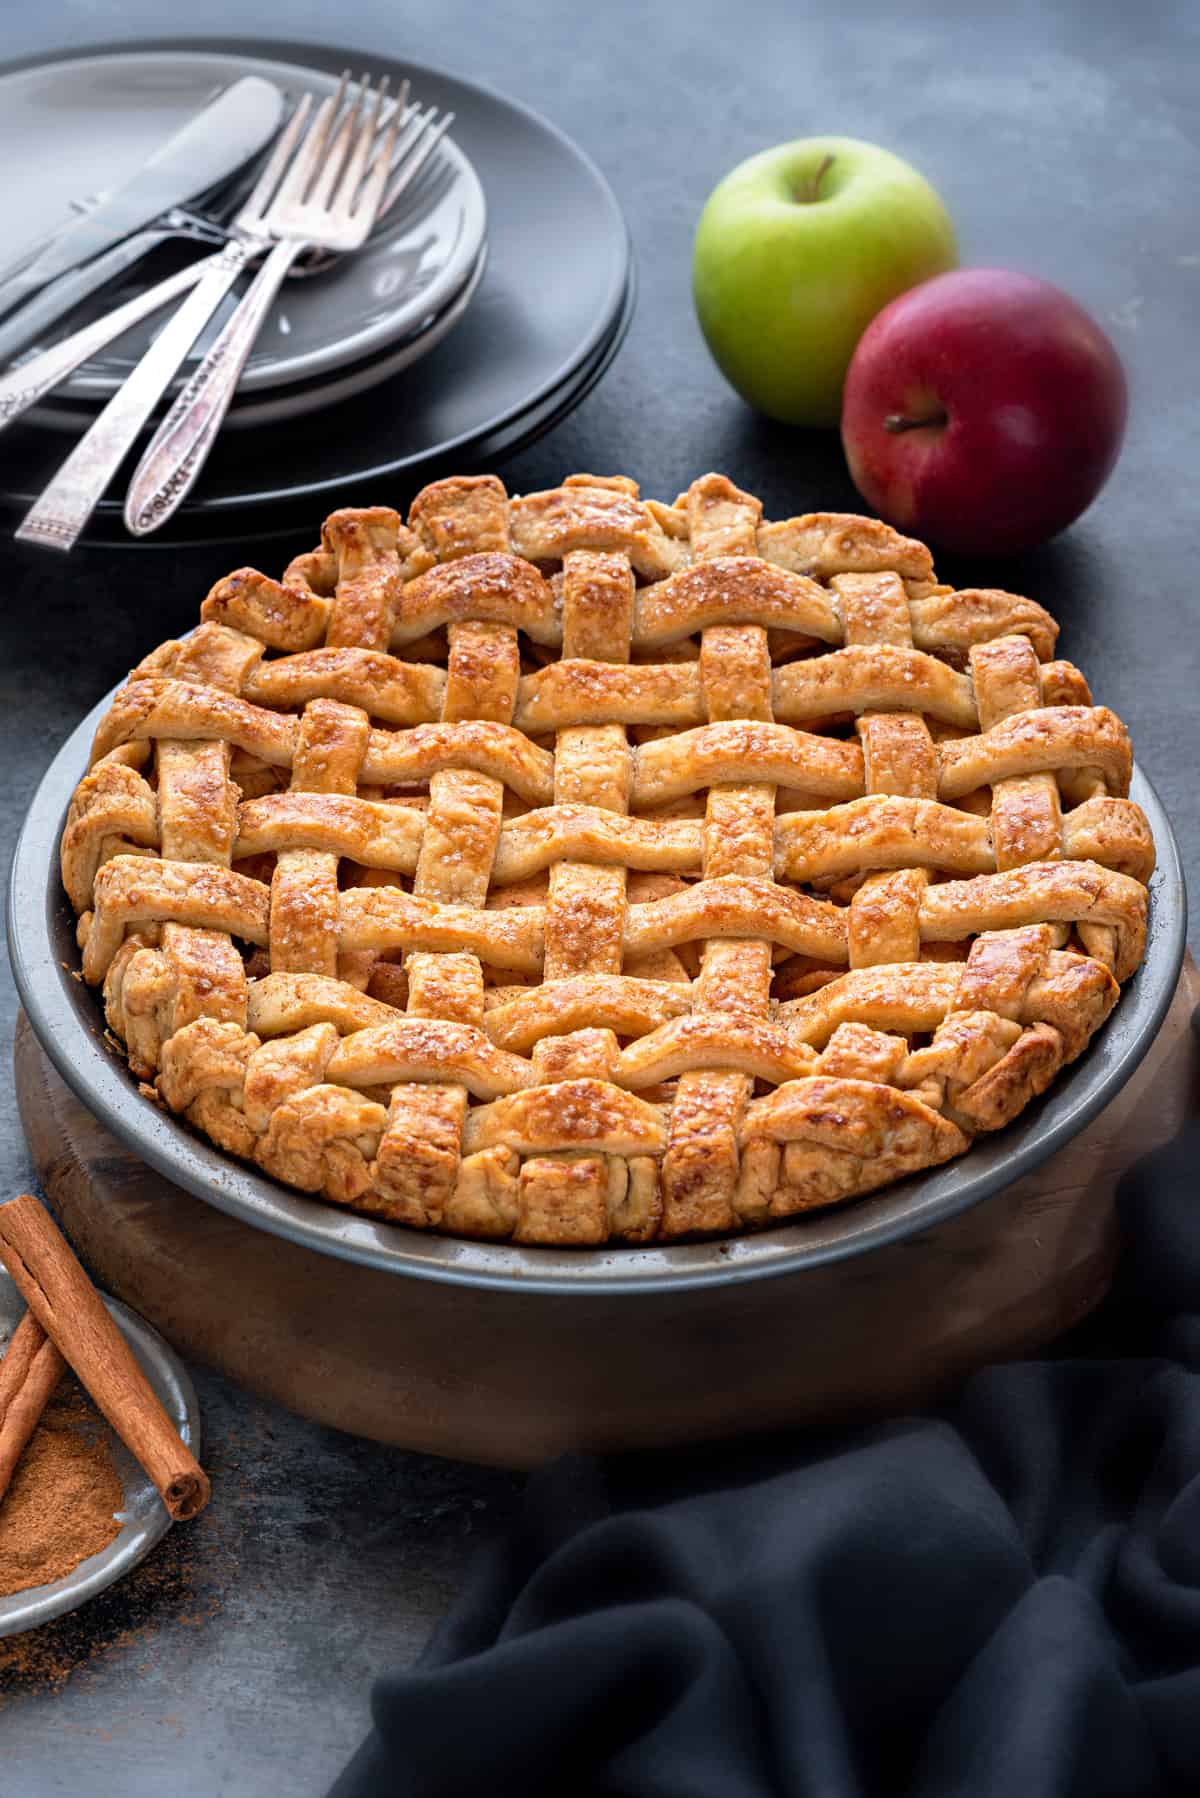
(1000, 1600)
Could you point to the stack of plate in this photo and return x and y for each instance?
(442, 342)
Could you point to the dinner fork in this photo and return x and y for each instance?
(330, 206)
(57, 517)
(294, 172)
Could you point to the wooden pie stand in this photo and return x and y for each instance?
(510, 1377)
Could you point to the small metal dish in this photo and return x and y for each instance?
(143, 1516)
(68, 1021)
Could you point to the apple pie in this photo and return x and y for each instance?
(580, 869)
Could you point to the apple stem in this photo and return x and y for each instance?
(900, 421)
(809, 191)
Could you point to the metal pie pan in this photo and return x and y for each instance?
(144, 1518)
(68, 1021)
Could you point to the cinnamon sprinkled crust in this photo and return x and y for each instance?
(576, 868)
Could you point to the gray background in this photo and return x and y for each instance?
(1063, 139)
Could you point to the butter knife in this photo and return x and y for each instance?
(207, 150)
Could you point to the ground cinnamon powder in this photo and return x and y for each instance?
(59, 1508)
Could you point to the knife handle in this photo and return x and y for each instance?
(22, 387)
(180, 446)
(57, 517)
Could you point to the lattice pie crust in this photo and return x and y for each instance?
(574, 868)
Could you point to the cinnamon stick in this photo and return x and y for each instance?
(29, 1372)
(74, 1316)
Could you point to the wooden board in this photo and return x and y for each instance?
(511, 1377)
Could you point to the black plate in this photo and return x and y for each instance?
(527, 427)
(483, 456)
(68, 1022)
(529, 331)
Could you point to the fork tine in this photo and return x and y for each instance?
(415, 161)
(317, 142)
(340, 149)
(395, 106)
(304, 163)
(361, 196)
(367, 141)
(414, 125)
(261, 193)
(384, 111)
(400, 103)
(348, 188)
(411, 128)
(339, 100)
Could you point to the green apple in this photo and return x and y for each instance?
(796, 251)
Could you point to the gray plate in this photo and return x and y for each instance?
(69, 1024)
(144, 1517)
(307, 396)
(106, 114)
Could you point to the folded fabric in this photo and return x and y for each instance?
(1000, 1600)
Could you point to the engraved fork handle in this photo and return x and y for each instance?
(179, 448)
(60, 513)
(22, 387)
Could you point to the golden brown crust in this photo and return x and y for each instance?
(577, 868)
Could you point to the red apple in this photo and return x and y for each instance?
(983, 410)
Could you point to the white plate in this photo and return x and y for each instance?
(78, 127)
(144, 1517)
